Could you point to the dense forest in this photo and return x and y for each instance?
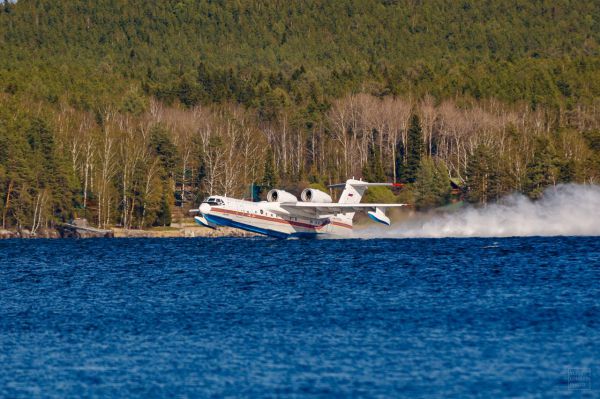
(120, 111)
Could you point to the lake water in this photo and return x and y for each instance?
(270, 318)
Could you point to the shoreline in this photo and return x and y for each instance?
(173, 232)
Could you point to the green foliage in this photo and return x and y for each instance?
(269, 179)
(406, 195)
(379, 195)
(432, 188)
(479, 170)
(285, 65)
(543, 170)
(319, 186)
(134, 103)
(415, 150)
(36, 184)
(593, 139)
(50, 169)
(163, 147)
(373, 171)
(164, 215)
(266, 55)
(593, 162)
(488, 176)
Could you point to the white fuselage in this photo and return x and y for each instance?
(269, 219)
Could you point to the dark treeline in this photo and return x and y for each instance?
(120, 110)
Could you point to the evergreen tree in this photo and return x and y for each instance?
(432, 187)
(377, 172)
(269, 180)
(479, 168)
(415, 150)
(84, 59)
(542, 171)
(373, 169)
(399, 161)
(592, 163)
(163, 147)
(164, 214)
(488, 176)
(52, 171)
(501, 182)
(366, 172)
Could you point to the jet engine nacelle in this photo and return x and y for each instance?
(281, 196)
(313, 195)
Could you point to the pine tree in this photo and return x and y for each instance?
(163, 147)
(399, 161)
(432, 187)
(542, 171)
(478, 175)
(377, 172)
(373, 169)
(164, 215)
(501, 181)
(415, 150)
(366, 172)
(269, 180)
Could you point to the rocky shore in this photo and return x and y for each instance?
(172, 232)
(186, 231)
(24, 233)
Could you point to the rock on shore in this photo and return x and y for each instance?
(187, 231)
(42, 233)
(182, 230)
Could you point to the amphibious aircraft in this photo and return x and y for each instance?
(283, 216)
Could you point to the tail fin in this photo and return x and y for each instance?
(354, 190)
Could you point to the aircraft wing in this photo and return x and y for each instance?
(317, 209)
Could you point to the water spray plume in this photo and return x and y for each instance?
(564, 210)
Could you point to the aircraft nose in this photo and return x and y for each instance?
(204, 208)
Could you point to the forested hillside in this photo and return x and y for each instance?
(119, 110)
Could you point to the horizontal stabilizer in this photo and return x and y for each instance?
(360, 183)
(354, 189)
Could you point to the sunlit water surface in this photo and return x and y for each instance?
(264, 318)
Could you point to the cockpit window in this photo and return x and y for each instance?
(214, 201)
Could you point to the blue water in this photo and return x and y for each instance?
(271, 318)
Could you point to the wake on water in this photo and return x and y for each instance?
(564, 210)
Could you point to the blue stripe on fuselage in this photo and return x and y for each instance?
(272, 233)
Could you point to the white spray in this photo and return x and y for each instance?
(565, 210)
